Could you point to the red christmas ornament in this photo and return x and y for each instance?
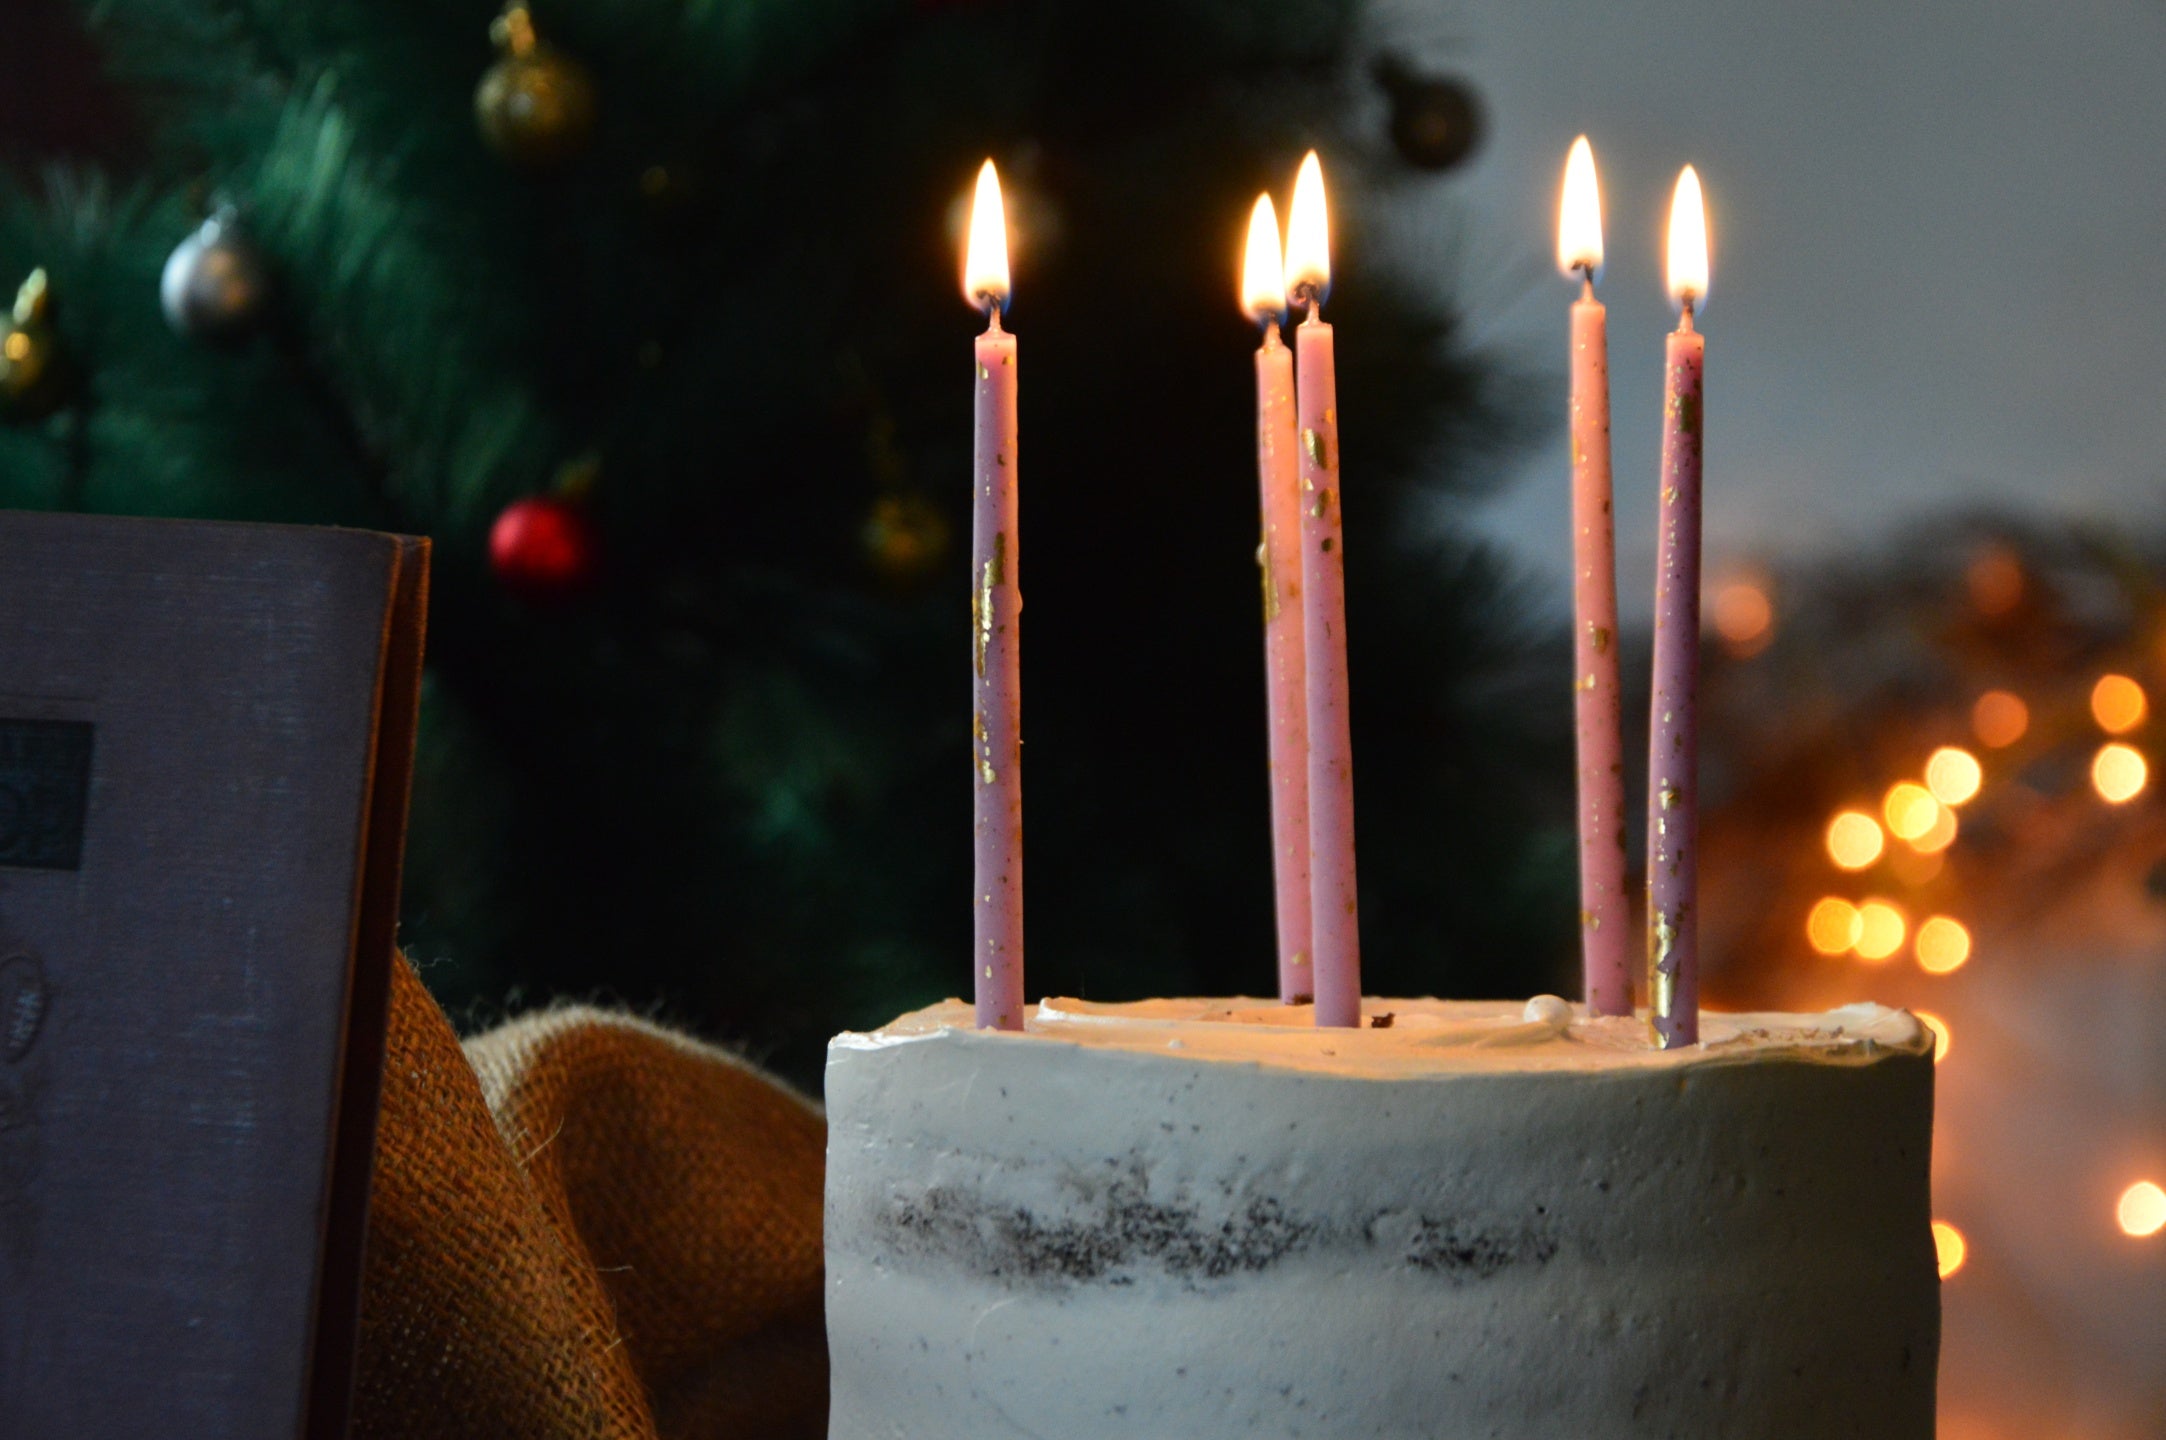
(543, 547)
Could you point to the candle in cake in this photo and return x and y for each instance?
(1673, 780)
(1604, 919)
(995, 604)
(1263, 296)
(1336, 958)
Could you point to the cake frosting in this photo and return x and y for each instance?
(1206, 1218)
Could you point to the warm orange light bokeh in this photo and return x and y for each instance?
(1913, 866)
(1942, 1037)
(2118, 704)
(1953, 775)
(1854, 840)
(2142, 1211)
(1743, 615)
(1943, 945)
(1881, 928)
(1995, 578)
(2118, 773)
(1999, 719)
(1833, 926)
(1940, 836)
(1949, 1246)
(1911, 810)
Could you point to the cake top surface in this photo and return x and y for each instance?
(1410, 1038)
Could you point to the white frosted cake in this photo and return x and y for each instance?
(1186, 1219)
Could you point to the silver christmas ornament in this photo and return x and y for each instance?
(216, 284)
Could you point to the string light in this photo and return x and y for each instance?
(1999, 719)
(1953, 775)
(2142, 1211)
(1910, 809)
(1881, 928)
(2118, 704)
(2118, 773)
(1855, 840)
(1834, 926)
(1949, 1246)
(1943, 945)
(1940, 836)
(1917, 867)
(1942, 1036)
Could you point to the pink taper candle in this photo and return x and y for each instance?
(1263, 295)
(996, 602)
(1336, 958)
(1604, 915)
(1673, 760)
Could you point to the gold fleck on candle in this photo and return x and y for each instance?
(981, 605)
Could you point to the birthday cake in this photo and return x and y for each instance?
(1204, 1218)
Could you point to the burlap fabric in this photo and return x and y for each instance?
(586, 1226)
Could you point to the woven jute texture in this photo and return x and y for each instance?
(586, 1226)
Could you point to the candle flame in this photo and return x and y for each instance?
(1308, 234)
(1579, 220)
(985, 262)
(1688, 242)
(1263, 272)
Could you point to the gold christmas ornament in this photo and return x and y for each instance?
(34, 378)
(905, 539)
(535, 105)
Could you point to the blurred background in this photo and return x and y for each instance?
(648, 313)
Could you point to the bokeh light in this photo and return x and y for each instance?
(1833, 926)
(2142, 1211)
(1940, 836)
(2118, 704)
(1943, 945)
(1881, 928)
(1854, 840)
(2118, 773)
(1911, 810)
(1948, 1244)
(1744, 616)
(1953, 775)
(1942, 1036)
(1995, 579)
(1999, 719)
(1917, 867)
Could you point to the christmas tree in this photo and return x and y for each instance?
(646, 313)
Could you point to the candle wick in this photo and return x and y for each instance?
(992, 311)
(1684, 323)
(1312, 301)
(1586, 284)
(1270, 320)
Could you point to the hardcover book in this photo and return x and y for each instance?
(206, 739)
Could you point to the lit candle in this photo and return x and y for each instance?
(1263, 295)
(1336, 957)
(1673, 779)
(1604, 921)
(996, 602)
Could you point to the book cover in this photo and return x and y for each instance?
(206, 738)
